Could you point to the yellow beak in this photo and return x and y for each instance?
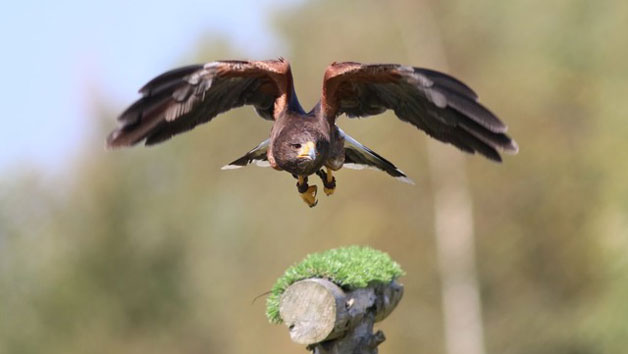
(307, 151)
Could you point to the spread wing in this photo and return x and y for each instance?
(436, 103)
(180, 99)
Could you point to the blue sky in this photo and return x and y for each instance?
(56, 53)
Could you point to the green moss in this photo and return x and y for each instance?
(349, 267)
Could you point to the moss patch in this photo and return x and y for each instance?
(349, 267)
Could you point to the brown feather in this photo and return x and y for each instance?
(180, 99)
(442, 106)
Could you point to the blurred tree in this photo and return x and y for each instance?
(158, 250)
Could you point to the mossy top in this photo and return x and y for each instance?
(349, 267)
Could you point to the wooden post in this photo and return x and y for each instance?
(330, 321)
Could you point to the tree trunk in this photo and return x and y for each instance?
(331, 321)
(453, 214)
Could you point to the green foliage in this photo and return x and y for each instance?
(159, 251)
(350, 267)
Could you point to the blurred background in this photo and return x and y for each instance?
(158, 250)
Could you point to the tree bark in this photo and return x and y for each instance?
(330, 321)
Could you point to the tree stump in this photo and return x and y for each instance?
(331, 321)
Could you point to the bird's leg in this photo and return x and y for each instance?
(308, 193)
(329, 181)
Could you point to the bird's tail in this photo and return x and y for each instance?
(257, 155)
(358, 156)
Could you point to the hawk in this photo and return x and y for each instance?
(305, 143)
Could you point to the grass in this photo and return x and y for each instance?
(350, 267)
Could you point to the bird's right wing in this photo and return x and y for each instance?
(257, 155)
(180, 99)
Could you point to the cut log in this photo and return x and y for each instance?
(329, 320)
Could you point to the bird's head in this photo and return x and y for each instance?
(300, 154)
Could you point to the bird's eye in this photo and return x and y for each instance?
(296, 146)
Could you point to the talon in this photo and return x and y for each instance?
(329, 181)
(309, 196)
(308, 193)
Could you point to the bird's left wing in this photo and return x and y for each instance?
(180, 99)
(436, 103)
(358, 156)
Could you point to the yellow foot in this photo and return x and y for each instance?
(329, 181)
(309, 196)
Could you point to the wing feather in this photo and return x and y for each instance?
(179, 100)
(358, 156)
(441, 105)
(257, 155)
(168, 78)
(446, 81)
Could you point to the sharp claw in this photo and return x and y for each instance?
(329, 181)
(309, 196)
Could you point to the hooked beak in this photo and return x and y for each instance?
(307, 151)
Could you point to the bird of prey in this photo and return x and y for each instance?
(305, 143)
